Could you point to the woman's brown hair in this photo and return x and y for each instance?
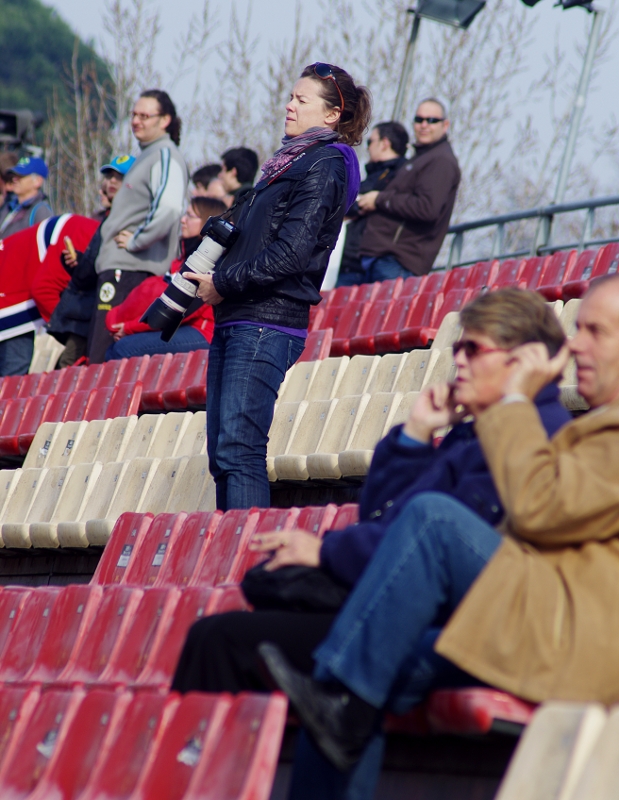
(357, 113)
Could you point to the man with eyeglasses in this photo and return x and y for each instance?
(411, 215)
(387, 150)
(140, 236)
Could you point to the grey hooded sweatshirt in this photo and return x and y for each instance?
(150, 204)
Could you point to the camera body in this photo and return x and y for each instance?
(166, 313)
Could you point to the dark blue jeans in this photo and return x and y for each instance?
(381, 268)
(184, 340)
(381, 643)
(16, 354)
(247, 365)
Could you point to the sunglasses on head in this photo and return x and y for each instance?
(473, 349)
(325, 73)
(429, 120)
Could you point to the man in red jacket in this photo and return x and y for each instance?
(412, 213)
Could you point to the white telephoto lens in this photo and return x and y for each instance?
(203, 259)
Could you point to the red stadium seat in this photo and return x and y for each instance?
(67, 380)
(154, 374)
(49, 380)
(152, 399)
(482, 275)
(233, 532)
(79, 745)
(70, 617)
(29, 385)
(125, 400)
(316, 519)
(434, 281)
(78, 403)
(12, 600)
(363, 342)
(271, 519)
(366, 292)
(456, 278)
(194, 537)
(9, 386)
(195, 602)
(317, 345)
(413, 285)
(477, 710)
(341, 296)
(131, 651)
(242, 766)
(389, 289)
(388, 339)
(454, 300)
(531, 272)
(346, 515)
(194, 374)
(191, 735)
(12, 415)
(107, 630)
(346, 327)
(97, 405)
(508, 273)
(26, 636)
(32, 744)
(16, 706)
(145, 565)
(56, 409)
(134, 369)
(118, 768)
(557, 267)
(88, 377)
(196, 396)
(30, 422)
(605, 263)
(316, 313)
(420, 316)
(124, 543)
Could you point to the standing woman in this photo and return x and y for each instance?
(263, 287)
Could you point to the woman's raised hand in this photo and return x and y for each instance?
(288, 547)
(435, 408)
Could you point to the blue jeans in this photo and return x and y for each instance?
(184, 340)
(381, 268)
(381, 644)
(247, 365)
(16, 354)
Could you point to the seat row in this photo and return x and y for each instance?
(99, 743)
(78, 505)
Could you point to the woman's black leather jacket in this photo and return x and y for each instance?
(274, 271)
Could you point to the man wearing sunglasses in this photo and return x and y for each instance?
(412, 213)
(387, 145)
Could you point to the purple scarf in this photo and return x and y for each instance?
(292, 146)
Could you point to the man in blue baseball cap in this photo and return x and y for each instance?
(30, 203)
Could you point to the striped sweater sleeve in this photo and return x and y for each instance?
(167, 187)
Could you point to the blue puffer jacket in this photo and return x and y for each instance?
(401, 470)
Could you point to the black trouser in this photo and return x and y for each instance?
(113, 286)
(219, 654)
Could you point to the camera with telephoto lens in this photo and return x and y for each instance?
(166, 313)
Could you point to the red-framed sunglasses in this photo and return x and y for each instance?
(325, 73)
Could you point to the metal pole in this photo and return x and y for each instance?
(579, 105)
(407, 68)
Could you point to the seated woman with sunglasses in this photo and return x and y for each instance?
(220, 652)
(263, 287)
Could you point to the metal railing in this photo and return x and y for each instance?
(542, 241)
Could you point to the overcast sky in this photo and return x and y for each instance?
(271, 19)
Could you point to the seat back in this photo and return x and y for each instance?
(41, 445)
(376, 420)
(271, 519)
(145, 566)
(414, 370)
(144, 434)
(106, 440)
(358, 374)
(180, 561)
(125, 540)
(286, 420)
(482, 274)
(193, 492)
(456, 278)
(168, 475)
(298, 382)
(232, 535)
(317, 344)
(508, 273)
(343, 423)
(26, 636)
(386, 373)
(192, 441)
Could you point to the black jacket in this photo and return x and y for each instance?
(378, 176)
(288, 228)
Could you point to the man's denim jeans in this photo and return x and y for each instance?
(381, 268)
(16, 354)
(247, 365)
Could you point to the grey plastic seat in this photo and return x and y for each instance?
(336, 437)
(387, 373)
(171, 430)
(449, 330)
(404, 408)
(114, 439)
(414, 370)
(16, 524)
(376, 421)
(443, 370)
(38, 452)
(85, 452)
(327, 378)
(143, 434)
(286, 420)
(298, 380)
(127, 497)
(195, 489)
(292, 465)
(63, 447)
(161, 488)
(357, 377)
(193, 440)
(568, 316)
(8, 482)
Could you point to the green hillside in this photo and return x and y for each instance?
(36, 48)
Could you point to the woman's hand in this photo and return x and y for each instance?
(122, 239)
(435, 408)
(206, 289)
(532, 368)
(119, 331)
(288, 547)
(68, 259)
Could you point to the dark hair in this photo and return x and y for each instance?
(396, 133)
(8, 159)
(245, 161)
(357, 113)
(166, 106)
(511, 317)
(204, 175)
(206, 207)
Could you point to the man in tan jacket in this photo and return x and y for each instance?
(534, 612)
